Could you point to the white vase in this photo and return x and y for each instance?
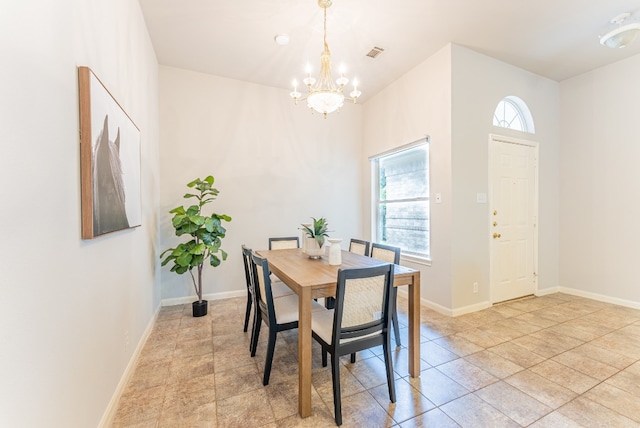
(313, 249)
(335, 251)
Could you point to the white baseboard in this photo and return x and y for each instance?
(444, 310)
(471, 308)
(600, 297)
(547, 291)
(210, 296)
(112, 408)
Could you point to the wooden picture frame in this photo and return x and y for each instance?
(109, 161)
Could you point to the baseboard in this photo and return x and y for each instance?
(112, 408)
(436, 307)
(471, 308)
(548, 291)
(600, 297)
(444, 310)
(210, 296)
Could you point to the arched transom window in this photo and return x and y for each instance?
(513, 113)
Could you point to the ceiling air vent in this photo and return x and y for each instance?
(375, 52)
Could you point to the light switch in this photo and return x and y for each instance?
(481, 198)
(438, 198)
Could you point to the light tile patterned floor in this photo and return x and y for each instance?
(553, 361)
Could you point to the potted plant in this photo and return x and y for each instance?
(206, 234)
(316, 233)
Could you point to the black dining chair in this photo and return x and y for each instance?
(248, 274)
(389, 254)
(358, 246)
(359, 321)
(278, 313)
(278, 289)
(284, 242)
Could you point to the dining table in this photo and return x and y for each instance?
(315, 278)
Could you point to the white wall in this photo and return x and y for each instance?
(275, 164)
(600, 183)
(419, 104)
(452, 96)
(479, 83)
(67, 304)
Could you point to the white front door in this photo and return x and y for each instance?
(513, 218)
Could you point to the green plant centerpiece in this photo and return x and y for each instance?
(206, 232)
(316, 233)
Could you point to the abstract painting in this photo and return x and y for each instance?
(109, 161)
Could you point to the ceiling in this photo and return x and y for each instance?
(557, 39)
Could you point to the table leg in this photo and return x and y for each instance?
(304, 352)
(414, 325)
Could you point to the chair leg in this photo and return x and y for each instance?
(324, 357)
(329, 302)
(396, 327)
(388, 362)
(353, 358)
(270, 348)
(394, 317)
(247, 313)
(335, 377)
(256, 335)
(254, 327)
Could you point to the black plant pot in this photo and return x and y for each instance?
(199, 308)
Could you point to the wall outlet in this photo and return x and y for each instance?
(475, 287)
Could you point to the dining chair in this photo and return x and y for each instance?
(278, 289)
(359, 246)
(389, 254)
(283, 243)
(356, 246)
(248, 274)
(359, 321)
(278, 313)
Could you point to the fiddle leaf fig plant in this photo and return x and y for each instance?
(317, 230)
(206, 233)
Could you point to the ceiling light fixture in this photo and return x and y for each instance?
(324, 96)
(621, 36)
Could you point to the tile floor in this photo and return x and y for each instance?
(552, 361)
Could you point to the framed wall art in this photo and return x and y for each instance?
(109, 161)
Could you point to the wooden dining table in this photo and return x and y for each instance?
(316, 278)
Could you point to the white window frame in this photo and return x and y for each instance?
(422, 258)
(522, 114)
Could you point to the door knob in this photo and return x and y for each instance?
(496, 235)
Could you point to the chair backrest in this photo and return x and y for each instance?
(283, 243)
(386, 253)
(363, 299)
(248, 270)
(264, 295)
(359, 246)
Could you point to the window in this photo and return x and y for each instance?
(513, 113)
(401, 206)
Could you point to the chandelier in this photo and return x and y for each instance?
(323, 95)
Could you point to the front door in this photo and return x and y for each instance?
(513, 218)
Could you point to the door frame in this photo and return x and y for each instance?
(536, 200)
